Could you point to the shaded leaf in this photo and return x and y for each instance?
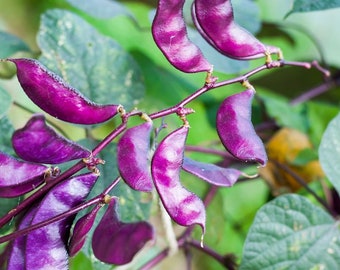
(7, 130)
(292, 233)
(329, 152)
(5, 101)
(92, 63)
(11, 44)
(313, 5)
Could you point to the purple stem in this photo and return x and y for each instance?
(98, 199)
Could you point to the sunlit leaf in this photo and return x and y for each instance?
(292, 233)
(329, 152)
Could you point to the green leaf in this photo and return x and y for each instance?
(313, 5)
(247, 14)
(292, 233)
(329, 152)
(5, 101)
(285, 114)
(7, 130)
(104, 9)
(11, 44)
(94, 64)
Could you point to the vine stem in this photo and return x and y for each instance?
(98, 199)
(239, 79)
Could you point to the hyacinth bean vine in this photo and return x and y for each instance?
(64, 208)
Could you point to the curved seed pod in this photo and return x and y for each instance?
(54, 96)
(116, 242)
(170, 34)
(37, 142)
(214, 19)
(183, 206)
(236, 130)
(215, 175)
(18, 177)
(46, 246)
(16, 259)
(132, 156)
(82, 227)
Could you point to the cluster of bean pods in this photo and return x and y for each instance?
(214, 20)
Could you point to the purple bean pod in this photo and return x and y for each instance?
(80, 231)
(37, 142)
(170, 34)
(214, 19)
(183, 206)
(53, 95)
(116, 242)
(46, 246)
(16, 259)
(236, 130)
(211, 173)
(18, 177)
(132, 157)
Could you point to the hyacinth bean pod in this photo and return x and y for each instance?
(183, 206)
(236, 130)
(37, 142)
(214, 19)
(170, 34)
(18, 177)
(132, 156)
(46, 246)
(54, 96)
(116, 242)
(82, 227)
(215, 175)
(16, 259)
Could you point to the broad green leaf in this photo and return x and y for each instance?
(283, 113)
(11, 44)
(5, 101)
(329, 152)
(103, 9)
(292, 233)
(94, 64)
(313, 5)
(7, 130)
(247, 14)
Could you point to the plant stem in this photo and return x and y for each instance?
(98, 199)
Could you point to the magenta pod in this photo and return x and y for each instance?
(53, 95)
(16, 259)
(236, 130)
(46, 246)
(170, 34)
(116, 242)
(183, 206)
(214, 19)
(81, 229)
(132, 157)
(18, 177)
(37, 142)
(211, 173)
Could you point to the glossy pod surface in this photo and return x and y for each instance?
(116, 242)
(37, 142)
(46, 246)
(215, 21)
(132, 157)
(183, 206)
(56, 97)
(215, 175)
(170, 34)
(236, 130)
(18, 177)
